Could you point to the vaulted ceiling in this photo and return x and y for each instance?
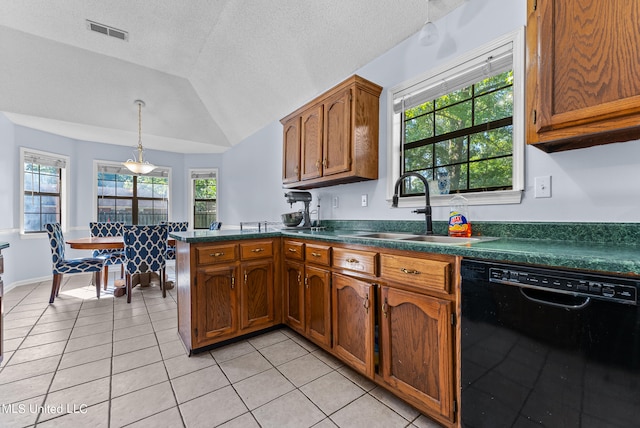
(211, 72)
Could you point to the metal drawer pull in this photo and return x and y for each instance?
(409, 271)
(352, 261)
(216, 254)
(316, 254)
(293, 250)
(257, 250)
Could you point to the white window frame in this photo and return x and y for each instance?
(64, 190)
(99, 163)
(514, 196)
(202, 171)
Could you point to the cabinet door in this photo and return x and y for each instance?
(294, 296)
(417, 348)
(291, 151)
(318, 304)
(337, 134)
(583, 85)
(353, 322)
(311, 143)
(216, 304)
(256, 294)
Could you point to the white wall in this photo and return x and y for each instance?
(599, 184)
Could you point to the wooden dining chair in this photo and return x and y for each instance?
(110, 256)
(62, 266)
(145, 248)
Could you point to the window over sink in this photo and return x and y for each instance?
(461, 126)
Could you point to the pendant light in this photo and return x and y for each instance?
(429, 32)
(139, 166)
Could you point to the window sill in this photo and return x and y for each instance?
(501, 197)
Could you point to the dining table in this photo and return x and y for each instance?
(115, 243)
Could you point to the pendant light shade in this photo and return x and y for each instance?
(429, 32)
(139, 166)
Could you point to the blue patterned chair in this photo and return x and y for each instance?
(145, 248)
(174, 226)
(62, 265)
(110, 256)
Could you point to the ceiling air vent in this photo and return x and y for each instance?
(107, 31)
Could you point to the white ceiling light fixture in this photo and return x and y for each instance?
(139, 166)
(429, 32)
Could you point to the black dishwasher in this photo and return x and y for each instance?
(544, 347)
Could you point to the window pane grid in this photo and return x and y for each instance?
(465, 136)
(205, 202)
(132, 199)
(42, 194)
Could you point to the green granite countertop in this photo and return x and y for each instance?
(4, 245)
(606, 247)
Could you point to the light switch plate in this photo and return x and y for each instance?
(543, 187)
(335, 202)
(365, 200)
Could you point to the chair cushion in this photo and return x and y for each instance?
(86, 264)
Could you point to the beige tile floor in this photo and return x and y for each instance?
(104, 363)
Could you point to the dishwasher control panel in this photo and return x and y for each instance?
(622, 290)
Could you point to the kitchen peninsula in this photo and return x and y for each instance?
(337, 288)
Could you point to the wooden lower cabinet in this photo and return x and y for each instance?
(226, 290)
(216, 314)
(256, 295)
(318, 304)
(294, 300)
(353, 322)
(417, 348)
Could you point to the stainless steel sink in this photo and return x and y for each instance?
(383, 235)
(449, 240)
(434, 239)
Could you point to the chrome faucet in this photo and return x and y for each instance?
(426, 210)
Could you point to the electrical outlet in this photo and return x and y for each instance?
(543, 187)
(365, 200)
(335, 202)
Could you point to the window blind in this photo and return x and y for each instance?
(203, 174)
(490, 64)
(121, 169)
(45, 160)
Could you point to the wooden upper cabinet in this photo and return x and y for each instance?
(291, 151)
(338, 136)
(583, 73)
(311, 143)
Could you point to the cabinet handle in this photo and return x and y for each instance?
(316, 254)
(306, 281)
(245, 277)
(293, 250)
(257, 250)
(366, 303)
(352, 261)
(325, 163)
(233, 281)
(318, 165)
(410, 271)
(385, 306)
(299, 278)
(216, 254)
(296, 169)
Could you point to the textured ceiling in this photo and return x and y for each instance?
(211, 72)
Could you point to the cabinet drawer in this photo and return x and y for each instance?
(359, 261)
(318, 254)
(293, 250)
(216, 254)
(432, 274)
(256, 250)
